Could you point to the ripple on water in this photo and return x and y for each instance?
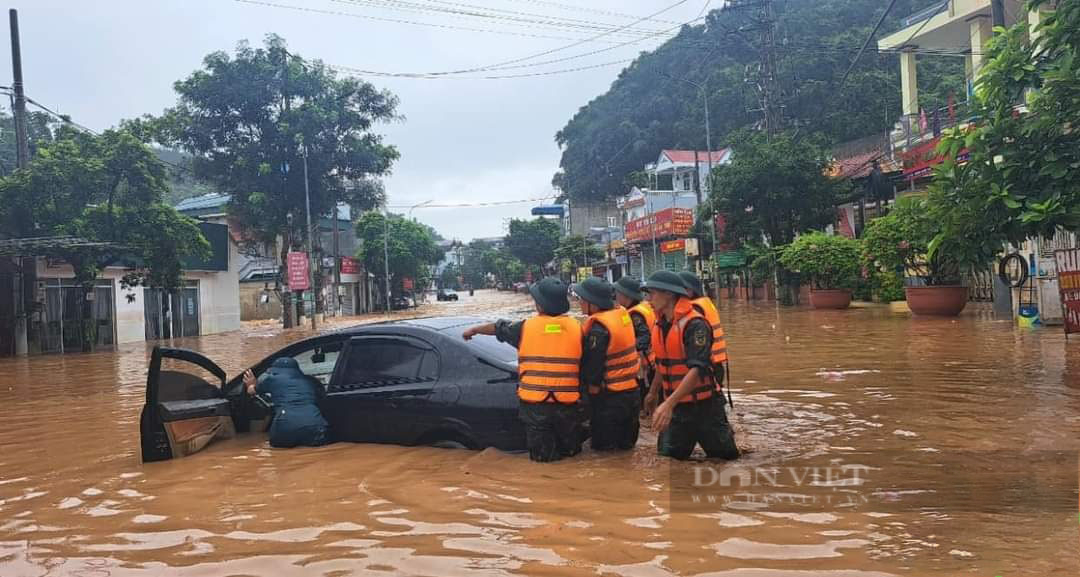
(739, 548)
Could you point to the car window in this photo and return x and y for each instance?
(319, 361)
(490, 347)
(382, 361)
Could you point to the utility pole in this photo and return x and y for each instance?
(22, 155)
(765, 78)
(997, 10)
(386, 253)
(310, 244)
(337, 259)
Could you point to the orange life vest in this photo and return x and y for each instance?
(549, 360)
(646, 311)
(621, 362)
(705, 306)
(671, 355)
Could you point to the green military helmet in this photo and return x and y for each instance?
(595, 291)
(630, 287)
(550, 294)
(692, 282)
(666, 280)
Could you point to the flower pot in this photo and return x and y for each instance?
(945, 301)
(830, 298)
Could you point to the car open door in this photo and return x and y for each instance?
(186, 408)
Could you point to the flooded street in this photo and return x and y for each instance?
(881, 445)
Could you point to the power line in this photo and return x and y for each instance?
(869, 38)
(460, 9)
(362, 72)
(265, 3)
(476, 204)
(514, 63)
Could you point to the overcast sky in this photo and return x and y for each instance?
(463, 140)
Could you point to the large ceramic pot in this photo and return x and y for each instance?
(830, 298)
(945, 301)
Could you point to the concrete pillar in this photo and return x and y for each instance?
(909, 86)
(981, 31)
(1035, 17)
(969, 77)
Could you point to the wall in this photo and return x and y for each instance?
(584, 216)
(251, 309)
(219, 296)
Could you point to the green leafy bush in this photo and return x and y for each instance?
(827, 261)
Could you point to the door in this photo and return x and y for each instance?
(185, 408)
(379, 394)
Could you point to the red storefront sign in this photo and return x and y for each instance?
(673, 245)
(920, 161)
(298, 271)
(1068, 271)
(721, 228)
(349, 265)
(666, 223)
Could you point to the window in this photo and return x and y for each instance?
(319, 362)
(386, 361)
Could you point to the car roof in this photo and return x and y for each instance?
(435, 324)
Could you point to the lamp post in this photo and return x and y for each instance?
(310, 244)
(708, 180)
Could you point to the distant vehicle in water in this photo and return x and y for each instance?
(412, 382)
(446, 294)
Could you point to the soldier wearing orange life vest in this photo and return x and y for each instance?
(690, 410)
(609, 367)
(549, 365)
(704, 305)
(628, 295)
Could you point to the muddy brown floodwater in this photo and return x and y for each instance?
(882, 445)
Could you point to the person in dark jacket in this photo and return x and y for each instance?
(297, 420)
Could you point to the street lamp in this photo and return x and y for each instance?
(708, 181)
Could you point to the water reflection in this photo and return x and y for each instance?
(959, 424)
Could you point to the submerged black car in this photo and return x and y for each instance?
(412, 382)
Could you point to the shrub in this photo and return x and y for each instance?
(827, 261)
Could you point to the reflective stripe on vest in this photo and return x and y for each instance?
(549, 359)
(621, 361)
(646, 311)
(719, 345)
(671, 355)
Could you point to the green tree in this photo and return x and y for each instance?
(1022, 175)
(533, 242)
(576, 251)
(775, 188)
(412, 249)
(107, 189)
(647, 109)
(248, 120)
(40, 132)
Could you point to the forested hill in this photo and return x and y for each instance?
(646, 110)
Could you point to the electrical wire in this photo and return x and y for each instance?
(869, 38)
(514, 63)
(475, 204)
(265, 3)
(361, 72)
(460, 9)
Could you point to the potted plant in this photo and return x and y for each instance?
(934, 247)
(831, 263)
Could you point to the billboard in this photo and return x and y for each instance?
(298, 271)
(665, 223)
(349, 265)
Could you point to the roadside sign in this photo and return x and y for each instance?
(407, 283)
(349, 265)
(1068, 271)
(298, 271)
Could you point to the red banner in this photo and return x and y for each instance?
(1068, 271)
(349, 265)
(721, 229)
(298, 271)
(673, 245)
(407, 283)
(666, 223)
